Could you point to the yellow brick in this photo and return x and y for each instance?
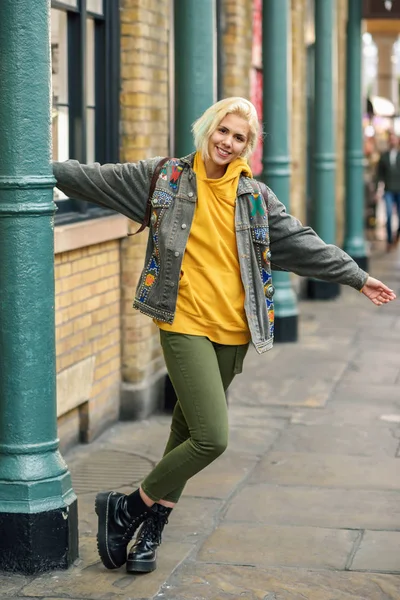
(110, 354)
(100, 343)
(82, 322)
(103, 387)
(64, 270)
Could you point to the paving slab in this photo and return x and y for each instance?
(369, 373)
(378, 551)
(11, 584)
(274, 417)
(378, 336)
(221, 478)
(147, 438)
(377, 359)
(366, 393)
(272, 546)
(223, 582)
(97, 583)
(338, 412)
(282, 391)
(365, 440)
(338, 508)
(194, 518)
(327, 470)
(337, 348)
(253, 442)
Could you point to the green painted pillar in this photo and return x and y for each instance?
(276, 159)
(38, 508)
(195, 66)
(354, 243)
(324, 158)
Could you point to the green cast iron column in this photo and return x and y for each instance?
(195, 66)
(38, 514)
(276, 159)
(354, 242)
(324, 159)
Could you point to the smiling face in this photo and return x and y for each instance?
(227, 142)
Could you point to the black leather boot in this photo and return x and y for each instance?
(142, 554)
(117, 525)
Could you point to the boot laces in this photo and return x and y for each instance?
(129, 532)
(152, 528)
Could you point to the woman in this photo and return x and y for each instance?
(215, 235)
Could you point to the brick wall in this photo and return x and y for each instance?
(87, 340)
(145, 133)
(237, 47)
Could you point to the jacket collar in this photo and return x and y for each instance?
(244, 186)
(189, 159)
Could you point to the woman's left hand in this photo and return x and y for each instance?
(378, 292)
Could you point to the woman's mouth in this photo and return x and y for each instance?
(222, 153)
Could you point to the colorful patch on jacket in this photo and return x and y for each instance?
(176, 172)
(155, 233)
(161, 198)
(257, 205)
(266, 279)
(151, 275)
(261, 234)
(271, 315)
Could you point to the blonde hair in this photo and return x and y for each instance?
(205, 126)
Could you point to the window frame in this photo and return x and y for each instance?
(107, 83)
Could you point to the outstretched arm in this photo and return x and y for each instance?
(299, 249)
(122, 187)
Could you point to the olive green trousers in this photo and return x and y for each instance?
(201, 372)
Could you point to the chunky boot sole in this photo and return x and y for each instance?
(102, 509)
(141, 566)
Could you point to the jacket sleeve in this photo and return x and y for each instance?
(122, 187)
(299, 249)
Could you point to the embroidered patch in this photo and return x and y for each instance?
(266, 279)
(176, 172)
(257, 205)
(161, 198)
(151, 275)
(271, 315)
(155, 243)
(261, 234)
(163, 173)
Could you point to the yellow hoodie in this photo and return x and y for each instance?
(211, 295)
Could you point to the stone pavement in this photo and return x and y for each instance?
(305, 503)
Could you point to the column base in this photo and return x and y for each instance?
(286, 329)
(322, 290)
(39, 542)
(362, 262)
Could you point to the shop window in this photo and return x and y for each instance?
(85, 51)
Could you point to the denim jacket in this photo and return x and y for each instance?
(267, 236)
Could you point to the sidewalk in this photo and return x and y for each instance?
(305, 503)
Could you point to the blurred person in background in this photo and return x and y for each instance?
(388, 180)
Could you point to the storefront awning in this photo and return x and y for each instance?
(381, 107)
